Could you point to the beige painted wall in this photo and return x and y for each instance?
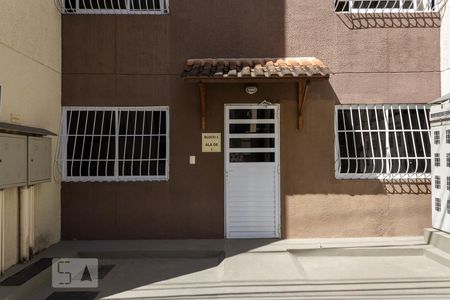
(445, 51)
(30, 76)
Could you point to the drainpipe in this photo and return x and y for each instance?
(26, 224)
(2, 232)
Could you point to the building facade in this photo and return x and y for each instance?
(30, 80)
(123, 67)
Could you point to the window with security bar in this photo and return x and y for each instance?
(386, 6)
(115, 144)
(382, 142)
(113, 6)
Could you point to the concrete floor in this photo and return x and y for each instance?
(372, 268)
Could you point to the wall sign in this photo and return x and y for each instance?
(211, 142)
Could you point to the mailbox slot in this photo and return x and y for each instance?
(39, 160)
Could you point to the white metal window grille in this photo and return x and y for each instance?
(437, 160)
(437, 182)
(437, 138)
(143, 7)
(115, 144)
(386, 6)
(437, 204)
(382, 141)
(447, 136)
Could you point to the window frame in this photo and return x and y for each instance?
(437, 204)
(381, 176)
(164, 9)
(116, 178)
(437, 137)
(437, 160)
(437, 182)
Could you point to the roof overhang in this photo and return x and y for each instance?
(24, 130)
(229, 70)
(444, 98)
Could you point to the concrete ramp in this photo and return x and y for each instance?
(370, 264)
(369, 268)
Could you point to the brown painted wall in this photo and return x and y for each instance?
(136, 60)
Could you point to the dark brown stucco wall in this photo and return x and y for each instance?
(136, 60)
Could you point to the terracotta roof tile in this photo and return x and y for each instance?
(248, 68)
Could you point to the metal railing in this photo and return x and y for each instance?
(387, 6)
(140, 7)
(115, 144)
(382, 142)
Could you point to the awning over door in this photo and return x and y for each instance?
(255, 69)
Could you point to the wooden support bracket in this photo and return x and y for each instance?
(302, 91)
(203, 104)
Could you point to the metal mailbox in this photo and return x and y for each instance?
(13, 160)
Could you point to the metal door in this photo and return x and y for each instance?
(252, 171)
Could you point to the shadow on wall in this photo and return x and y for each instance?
(356, 21)
(410, 187)
(307, 171)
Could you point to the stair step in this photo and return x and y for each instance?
(27, 273)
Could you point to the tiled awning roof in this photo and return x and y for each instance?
(254, 68)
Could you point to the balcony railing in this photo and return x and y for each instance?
(101, 7)
(387, 6)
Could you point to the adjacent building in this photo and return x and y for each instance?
(445, 51)
(30, 80)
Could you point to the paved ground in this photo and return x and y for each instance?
(395, 268)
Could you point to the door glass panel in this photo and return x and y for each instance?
(252, 114)
(252, 128)
(252, 157)
(252, 143)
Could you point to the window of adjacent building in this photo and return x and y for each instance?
(371, 6)
(437, 138)
(447, 136)
(448, 160)
(448, 183)
(437, 204)
(115, 144)
(437, 160)
(382, 141)
(115, 6)
(437, 182)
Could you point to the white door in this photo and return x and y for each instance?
(252, 171)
